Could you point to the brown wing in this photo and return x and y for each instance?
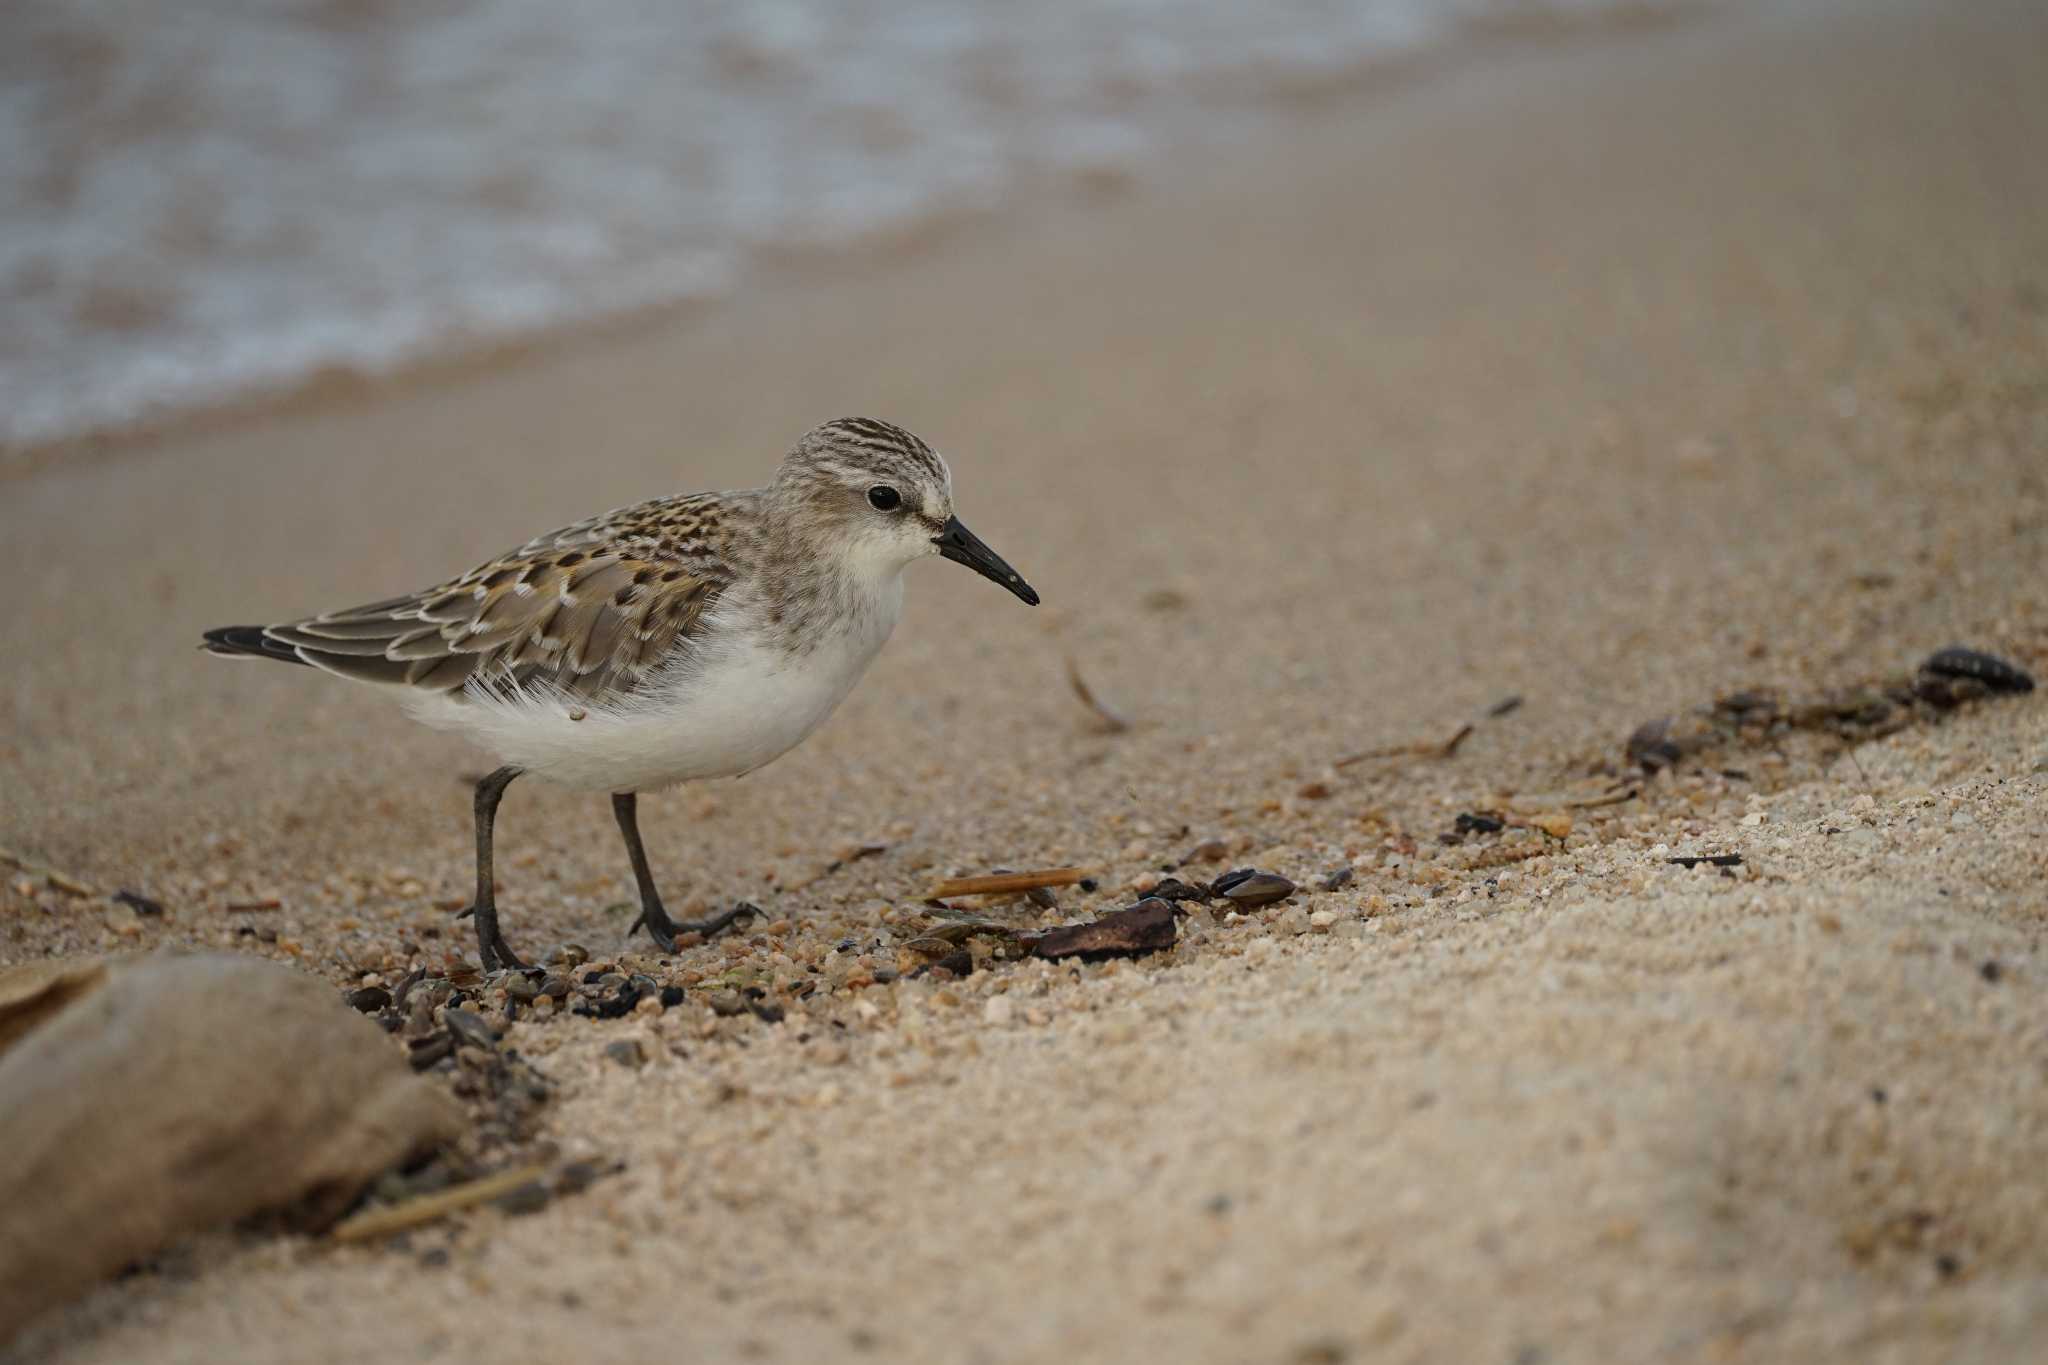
(591, 611)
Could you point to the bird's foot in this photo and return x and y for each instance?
(664, 931)
(496, 953)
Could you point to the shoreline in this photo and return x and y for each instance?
(1483, 44)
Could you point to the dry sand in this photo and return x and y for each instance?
(1616, 375)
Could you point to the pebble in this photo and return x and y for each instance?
(998, 1010)
(1293, 920)
(1322, 919)
(522, 987)
(627, 1052)
(727, 1004)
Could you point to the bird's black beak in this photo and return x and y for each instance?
(962, 546)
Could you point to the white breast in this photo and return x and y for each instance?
(736, 702)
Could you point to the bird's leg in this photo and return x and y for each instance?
(491, 946)
(660, 928)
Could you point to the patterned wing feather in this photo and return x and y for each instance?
(590, 611)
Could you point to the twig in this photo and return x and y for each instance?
(1114, 720)
(1419, 749)
(1611, 799)
(383, 1222)
(59, 881)
(1007, 882)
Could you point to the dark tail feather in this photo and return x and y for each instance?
(249, 642)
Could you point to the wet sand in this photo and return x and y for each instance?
(1618, 376)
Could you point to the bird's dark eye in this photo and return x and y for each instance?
(884, 498)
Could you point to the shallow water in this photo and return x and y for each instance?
(212, 199)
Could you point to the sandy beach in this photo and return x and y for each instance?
(1617, 373)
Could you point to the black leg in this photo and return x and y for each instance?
(660, 928)
(491, 946)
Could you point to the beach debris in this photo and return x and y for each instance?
(53, 878)
(1693, 860)
(1113, 721)
(139, 903)
(1254, 888)
(1445, 748)
(1956, 661)
(1174, 889)
(1144, 928)
(1505, 706)
(469, 1029)
(428, 1208)
(1853, 713)
(255, 907)
(1651, 747)
(1555, 823)
(435, 1048)
(1480, 823)
(1006, 883)
(369, 999)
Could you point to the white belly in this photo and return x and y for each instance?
(739, 704)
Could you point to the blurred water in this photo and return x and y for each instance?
(206, 198)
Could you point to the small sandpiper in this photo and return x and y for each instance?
(683, 638)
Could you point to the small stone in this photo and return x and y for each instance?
(1322, 919)
(648, 1005)
(1260, 888)
(627, 1052)
(522, 987)
(998, 1010)
(1556, 823)
(727, 1004)
(1314, 791)
(670, 997)
(569, 955)
(1208, 851)
(558, 987)
(1293, 921)
(1337, 880)
(1753, 819)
